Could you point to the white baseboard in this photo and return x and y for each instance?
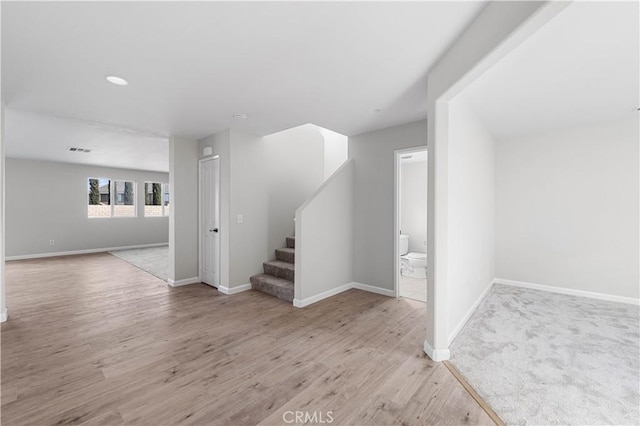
(76, 252)
(436, 354)
(470, 312)
(234, 290)
(186, 281)
(4, 315)
(569, 291)
(301, 303)
(373, 289)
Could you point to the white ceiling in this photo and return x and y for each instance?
(192, 65)
(42, 137)
(582, 67)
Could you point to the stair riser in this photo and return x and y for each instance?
(276, 271)
(285, 256)
(291, 242)
(280, 293)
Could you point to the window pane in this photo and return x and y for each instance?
(165, 199)
(152, 199)
(125, 199)
(99, 197)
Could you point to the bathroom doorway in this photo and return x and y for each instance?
(410, 240)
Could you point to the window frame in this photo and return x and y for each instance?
(163, 191)
(166, 189)
(88, 180)
(113, 197)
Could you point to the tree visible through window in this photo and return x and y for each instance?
(99, 204)
(153, 205)
(108, 198)
(125, 204)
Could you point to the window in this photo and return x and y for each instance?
(156, 199)
(99, 197)
(108, 198)
(125, 199)
(166, 199)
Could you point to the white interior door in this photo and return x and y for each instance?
(210, 221)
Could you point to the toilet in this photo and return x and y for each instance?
(412, 264)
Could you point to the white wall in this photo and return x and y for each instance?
(295, 170)
(3, 295)
(471, 191)
(48, 201)
(264, 179)
(250, 194)
(324, 238)
(499, 28)
(413, 204)
(374, 180)
(567, 209)
(183, 219)
(336, 151)
(3, 298)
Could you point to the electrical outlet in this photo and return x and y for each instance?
(239, 218)
(52, 242)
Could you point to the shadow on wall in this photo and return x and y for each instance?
(298, 161)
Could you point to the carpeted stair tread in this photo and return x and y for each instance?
(278, 287)
(277, 279)
(286, 254)
(279, 269)
(291, 242)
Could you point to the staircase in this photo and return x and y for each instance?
(277, 279)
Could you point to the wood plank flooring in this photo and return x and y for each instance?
(94, 340)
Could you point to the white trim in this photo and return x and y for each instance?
(76, 252)
(470, 312)
(4, 315)
(301, 303)
(436, 354)
(373, 289)
(186, 281)
(569, 291)
(234, 290)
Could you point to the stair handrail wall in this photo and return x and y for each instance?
(324, 238)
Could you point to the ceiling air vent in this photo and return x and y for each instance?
(80, 150)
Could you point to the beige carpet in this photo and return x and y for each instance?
(543, 358)
(154, 260)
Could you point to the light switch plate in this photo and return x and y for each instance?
(239, 218)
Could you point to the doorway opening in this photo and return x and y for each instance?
(209, 221)
(410, 237)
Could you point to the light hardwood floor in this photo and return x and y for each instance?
(94, 340)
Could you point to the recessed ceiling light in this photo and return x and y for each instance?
(117, 80)
(239, 116)
(376, 111)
